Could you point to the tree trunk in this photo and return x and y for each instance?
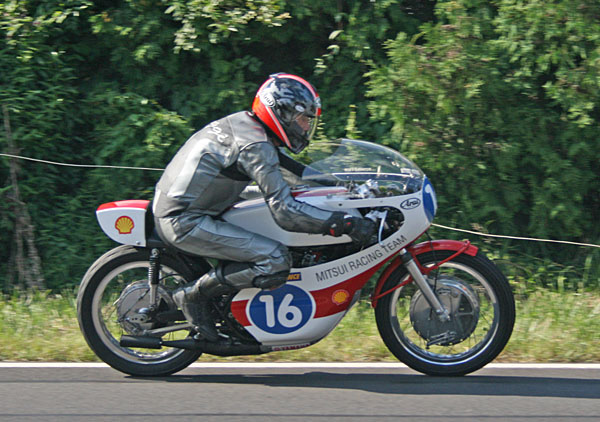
(25, 268)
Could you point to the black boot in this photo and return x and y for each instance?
(193, 299)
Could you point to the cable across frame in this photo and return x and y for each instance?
(55, 163)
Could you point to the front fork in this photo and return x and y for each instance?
(416, 274)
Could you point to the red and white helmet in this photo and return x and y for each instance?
(290, 107)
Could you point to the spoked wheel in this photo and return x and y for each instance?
(112, 301)
(481, 307)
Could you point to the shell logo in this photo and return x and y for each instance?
(124, 225)
(340, 296)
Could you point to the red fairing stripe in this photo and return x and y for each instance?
(132, 203)
(323, 298)
(442, 245)
(238, 309)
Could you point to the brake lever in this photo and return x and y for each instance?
(381, 215)
(381, 226)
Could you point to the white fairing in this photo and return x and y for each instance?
(124, 221)
(315, 298)
(305, 309)
(254, 215)
(307, 312)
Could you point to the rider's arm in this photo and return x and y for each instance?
(260, 162)
(291, 165)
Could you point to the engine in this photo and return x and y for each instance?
(314, 255)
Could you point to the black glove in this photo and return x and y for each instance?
(361, 230)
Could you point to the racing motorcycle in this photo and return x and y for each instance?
(441, 306)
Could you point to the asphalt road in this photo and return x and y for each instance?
(316, 393)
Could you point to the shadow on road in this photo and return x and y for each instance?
(475, 385)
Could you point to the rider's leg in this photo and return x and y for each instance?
(261, 262)
(196, 307)
(193, 298)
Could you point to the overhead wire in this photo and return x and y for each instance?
(37, 160)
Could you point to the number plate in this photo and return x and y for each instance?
(282, 310)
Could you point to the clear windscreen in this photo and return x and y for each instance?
(351, 161)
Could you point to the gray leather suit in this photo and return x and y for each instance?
(207, 176)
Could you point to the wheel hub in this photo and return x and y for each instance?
(462, 303)
(134, 308)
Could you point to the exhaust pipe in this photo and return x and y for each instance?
(217, 349)
(142, 342)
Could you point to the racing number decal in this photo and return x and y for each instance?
(282, 310)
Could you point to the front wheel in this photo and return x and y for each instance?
(481, 307)
(112, 292)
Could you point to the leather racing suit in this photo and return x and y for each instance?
(206, 177)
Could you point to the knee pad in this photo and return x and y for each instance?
(280, 260)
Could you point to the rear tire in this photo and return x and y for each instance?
(97, 309)
(403, 319)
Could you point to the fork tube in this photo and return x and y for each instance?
(408, 261)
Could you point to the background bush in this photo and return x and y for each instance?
(495, 100)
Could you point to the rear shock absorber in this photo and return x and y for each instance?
(154, 277)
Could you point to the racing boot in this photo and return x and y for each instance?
(229, 277)
(194, 301)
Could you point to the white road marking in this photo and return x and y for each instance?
(300, 365)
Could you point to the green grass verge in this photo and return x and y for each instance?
(550, 327)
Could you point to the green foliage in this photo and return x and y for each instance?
(551, 327)
(133, 132)
(38, 326)
(502, 92)
(211, 21)
(497, 102)
(555, 327)
(125, 83)
(36, 80)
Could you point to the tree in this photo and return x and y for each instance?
(497, 101)
(24, 266)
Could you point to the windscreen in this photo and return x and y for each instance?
(350, 160)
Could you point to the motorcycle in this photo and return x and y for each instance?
(441, 306)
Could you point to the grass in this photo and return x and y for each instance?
(550, 327)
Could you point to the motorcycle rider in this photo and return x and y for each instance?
(207, 176)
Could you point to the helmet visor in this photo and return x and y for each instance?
(301, 131)
(307, 124)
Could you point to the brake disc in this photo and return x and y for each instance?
(134, 304)
(462, 303)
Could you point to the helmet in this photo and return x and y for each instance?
(290, 107)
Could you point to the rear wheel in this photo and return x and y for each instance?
(481, 307)
(112, 292)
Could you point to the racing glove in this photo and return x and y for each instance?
(361, 230)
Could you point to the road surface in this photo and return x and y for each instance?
(279, 392)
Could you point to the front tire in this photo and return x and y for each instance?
(483, 316)
(124, 271)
